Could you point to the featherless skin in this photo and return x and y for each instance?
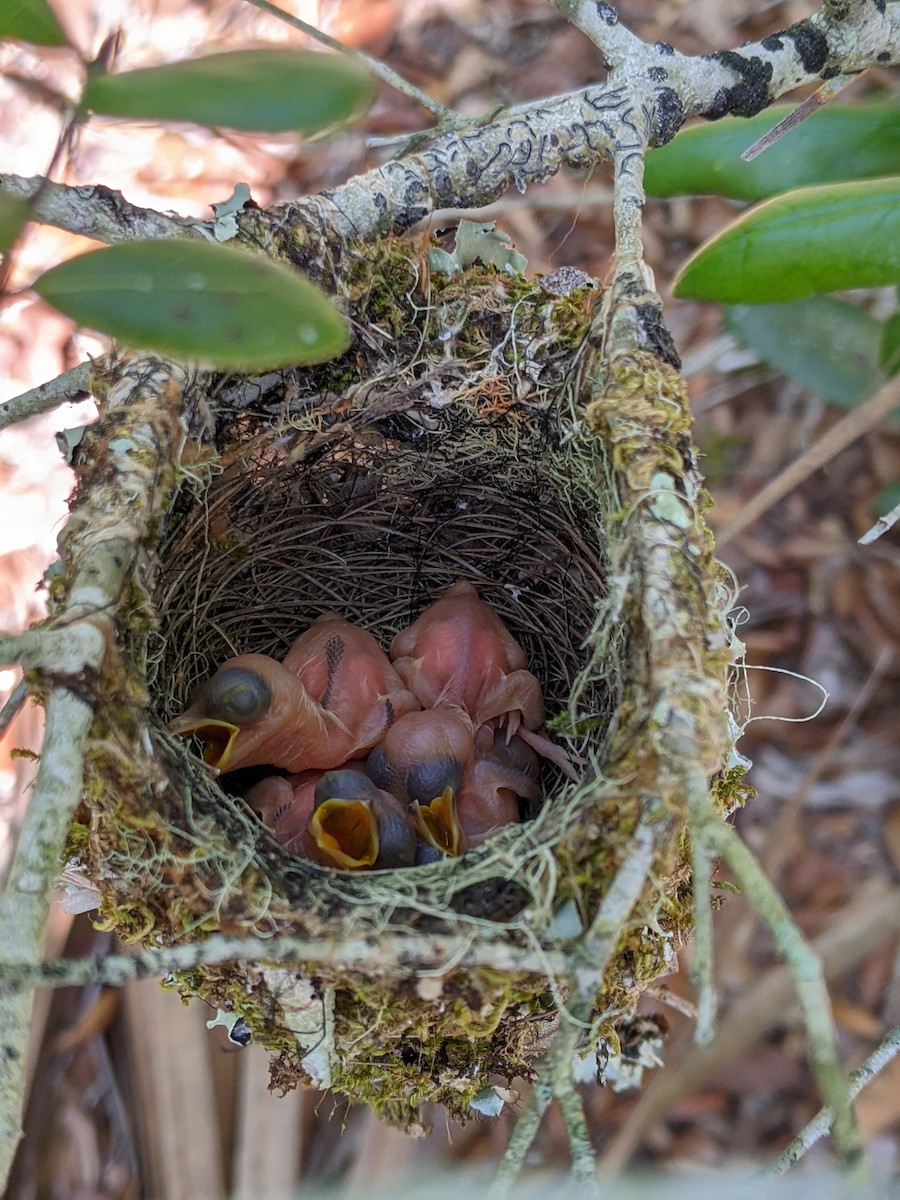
(334, 697)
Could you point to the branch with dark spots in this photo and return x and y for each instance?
(667, 118)
(525, 146)
(810, 44)
(607, 14)
(746, 98)
(97, 211)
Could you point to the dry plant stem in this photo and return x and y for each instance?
(849, 429)
(874, 917)
(882, 525)
(808, 974)
(71, 385)
(824, 1119)
(587, 964)
(387, 959)
(379, 69)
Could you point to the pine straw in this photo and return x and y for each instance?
(448, 444)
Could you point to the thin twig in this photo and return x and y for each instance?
(13, 705)
(70, 385)
(811, 104)
(849, 429)
(873, 918)
(882, 525)
(588, 964)
(379, 69)
(822, 1122)
(809, 979)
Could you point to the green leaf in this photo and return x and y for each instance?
(271, 90)
(31, 21)
(14, 213)
(890, 345)
(194, 300)
(827, 345)
(834, 144)
(823, 239)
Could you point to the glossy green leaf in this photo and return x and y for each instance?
(824, 239)
(890, 345)
(198, 301)
(827, 345)
(14, 212)
(274, 91)
(834, 144)
(31, 21)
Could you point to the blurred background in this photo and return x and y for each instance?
(132, 1096)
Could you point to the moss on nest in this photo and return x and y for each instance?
(448, 443)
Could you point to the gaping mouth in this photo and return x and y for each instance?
(218, 737)
(346, 831)
(438, 823)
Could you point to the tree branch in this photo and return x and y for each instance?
(97, 212)
(389, 957)
(71, 385)
(824, 1119)
(65, 654)
(530, 142)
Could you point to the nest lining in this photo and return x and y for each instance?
(446, 445)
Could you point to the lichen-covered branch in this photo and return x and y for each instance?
(96, 211)
(841, 38)
(26, 898)
(822, 1122)
(652, 84)
(63, 657)
(389, 957)
(71, 385)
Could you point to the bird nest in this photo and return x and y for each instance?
(470, 434)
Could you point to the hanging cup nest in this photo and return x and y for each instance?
(472, 433)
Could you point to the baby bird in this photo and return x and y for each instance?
(422, 760)
(284, 803)
(355, 824)
(459, 654)
(346, 671)
(501, 773)
(332, 698)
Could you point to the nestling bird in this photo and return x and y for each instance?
(333, 697)
(343, 668)
(284, 803)
(501, 773)
(460, 655)
(355, 824)
(422, 761)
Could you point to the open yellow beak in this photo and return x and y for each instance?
(438, 824)
(218, 737)
(346, 831)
